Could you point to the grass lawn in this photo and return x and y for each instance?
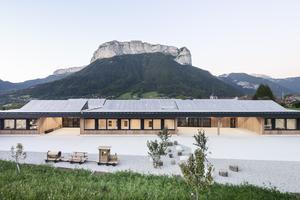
(149, 95)
(44, 182)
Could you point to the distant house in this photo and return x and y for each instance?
(148, 116)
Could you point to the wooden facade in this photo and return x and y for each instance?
(151, 126)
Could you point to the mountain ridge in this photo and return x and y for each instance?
(249, 83)
(135, 74)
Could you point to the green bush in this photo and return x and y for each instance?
(44, 182)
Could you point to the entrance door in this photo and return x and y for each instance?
(71, 122)
(232, 122)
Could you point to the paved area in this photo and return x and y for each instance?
(231, 144)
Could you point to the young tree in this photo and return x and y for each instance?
(263, 92)
(201, 141)
(159, 148)
(156, 150)
(164, 136)
(17, 153)
(197, 171)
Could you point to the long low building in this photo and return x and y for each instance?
(148, 116)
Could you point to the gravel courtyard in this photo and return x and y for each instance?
(240, 145)
(284, 175)
(271, 161)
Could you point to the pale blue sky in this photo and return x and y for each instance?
(254, 36)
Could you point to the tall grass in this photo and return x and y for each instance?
(44, 182)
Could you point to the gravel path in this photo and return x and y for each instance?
(283, 175)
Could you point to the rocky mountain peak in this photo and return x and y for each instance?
(115, 48)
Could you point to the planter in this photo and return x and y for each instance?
(234, 168)
(160, 163)
(173, 162)
(223, 173)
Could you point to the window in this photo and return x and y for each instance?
(33, 124)
(182, 122)
(135, 124)
(102, 124)
(124, 124)
(291, 124)
(9, 124)
(89, 124)
(112, 124)
(194, 122)
(268, 124)
(206, 122)
(170, 123)
(148, 124)
(279, 124)
(21, 124)
(157, 124)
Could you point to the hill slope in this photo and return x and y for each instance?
(248, 84)
(135, 74)
(6, 86)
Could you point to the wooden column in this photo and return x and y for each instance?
(219, 125)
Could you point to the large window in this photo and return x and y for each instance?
(268, 124)
(169, 123)
(21, 124)
(135, 124)
(124, 124)
(9, 124)
(89, 124)
(182, 122)
(148, 124)
(280, 124)
(101, 123)
(194, 122)
(206, 122)
(33, 124)
(112, 124)
(157, 124)
(291, 124)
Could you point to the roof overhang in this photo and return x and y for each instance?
(189, 114)
(26, 115)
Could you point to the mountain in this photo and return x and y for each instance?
(248, 83)
(6, 86)
(135, 75)
(116, 48)
(67, 71)
(292, 83)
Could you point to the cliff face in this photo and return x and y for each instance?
(68, 70)
(115, 48)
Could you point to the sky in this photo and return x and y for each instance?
(254, 36)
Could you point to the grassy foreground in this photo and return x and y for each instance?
(44, 182)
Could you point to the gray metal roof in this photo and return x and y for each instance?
(228, 105)
(95, 103)
(195, 105)
(71, 105)
(174, 107)
(142, 105)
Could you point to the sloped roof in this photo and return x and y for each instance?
(153, 107)
(143, 105)
(71, 105)
(195, 105)
(228, 105)
(95, 103)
